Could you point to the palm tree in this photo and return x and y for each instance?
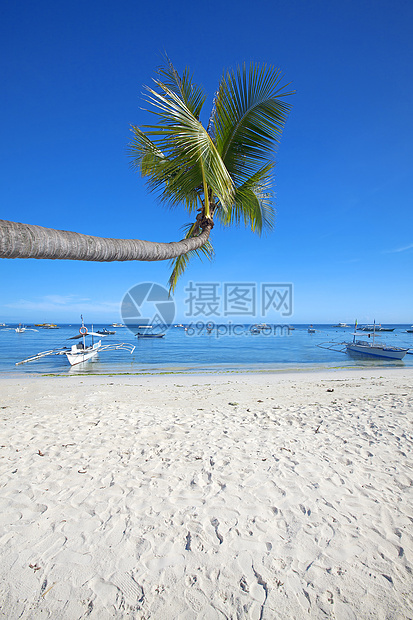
(218, 173)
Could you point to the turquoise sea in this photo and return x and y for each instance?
(194, 350)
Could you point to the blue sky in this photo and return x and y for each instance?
(72, 81)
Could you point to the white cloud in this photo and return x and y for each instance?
(64, 299)
(69, 303)
(403, 249)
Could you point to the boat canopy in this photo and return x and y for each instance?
(88, 334)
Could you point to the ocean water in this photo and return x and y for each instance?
(195, 350)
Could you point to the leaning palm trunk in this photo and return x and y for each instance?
(29, 241)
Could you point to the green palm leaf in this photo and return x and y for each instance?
(253, 203)
(194, 160)
(193, 95)
(249, 116)
(222, 172)
(161, 173)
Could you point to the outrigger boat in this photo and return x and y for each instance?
(22, 328)
(81, 352)
(149, 334)
(19, 330)
(258, 328)
(367, 347)
(375, 328)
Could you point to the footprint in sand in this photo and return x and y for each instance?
(243, 584)
(196, 599)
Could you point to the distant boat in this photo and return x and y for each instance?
(118, 325)
(311, 330)
(375, 328)
(148, 334)
(46, 325)
(410, 331)
(140, 335)
(21, 329)
(105, 332)
(258, 328)
(341, 325)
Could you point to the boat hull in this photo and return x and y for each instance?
(147, 336)
(78, 358)
(372, 328)
(79, 354)
(377, 351)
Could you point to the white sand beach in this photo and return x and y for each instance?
(265, 496)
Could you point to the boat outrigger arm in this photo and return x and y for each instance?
(333, 346)
(61, 351)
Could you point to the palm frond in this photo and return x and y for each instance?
(161, 173)
(185, 142)
(193, 95)
(249, 117)
(226, 168)
(180, 263)
(253, 203)
(145, 155)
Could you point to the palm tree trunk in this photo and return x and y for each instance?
(29, 241)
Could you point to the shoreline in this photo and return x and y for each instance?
(253, 496)
(209, 373)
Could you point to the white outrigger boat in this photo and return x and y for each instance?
(20, 329)
(367, 347)
(81, 352)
